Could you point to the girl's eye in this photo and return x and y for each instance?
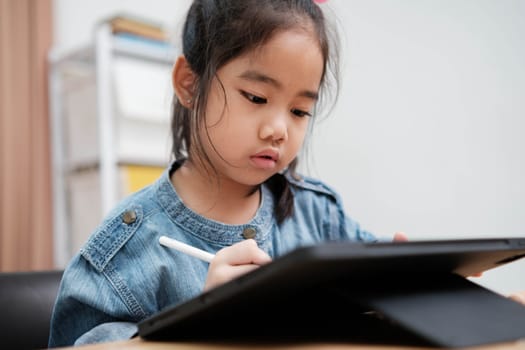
(253, 98)
(300, 113)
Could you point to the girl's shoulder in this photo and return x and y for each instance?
(302, 183)
(119, 225)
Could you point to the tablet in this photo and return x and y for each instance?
(349, 290)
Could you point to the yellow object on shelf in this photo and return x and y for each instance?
(137, 177)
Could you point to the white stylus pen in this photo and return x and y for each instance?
(186, 248)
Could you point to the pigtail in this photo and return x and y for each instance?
(283, 195)
(281, 189)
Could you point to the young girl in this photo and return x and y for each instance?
(246, 90)
(246, 86)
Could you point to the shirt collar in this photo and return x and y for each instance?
(211, 230)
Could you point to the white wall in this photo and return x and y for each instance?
(75, 20)
(428, 131)
(427, 135)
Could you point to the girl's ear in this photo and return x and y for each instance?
(183, 80)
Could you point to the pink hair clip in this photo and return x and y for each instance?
(320, 1)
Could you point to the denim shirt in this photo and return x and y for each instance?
(123, 275)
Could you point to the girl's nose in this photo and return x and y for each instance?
(274, 129)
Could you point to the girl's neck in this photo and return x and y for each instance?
(220, 200)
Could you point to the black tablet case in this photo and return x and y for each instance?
(391, 293)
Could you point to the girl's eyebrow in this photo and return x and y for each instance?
(253, 75)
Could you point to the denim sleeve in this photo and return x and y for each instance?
(348, 228)
(326, 205)
(108, 332)
(86, 299)
(355, 231)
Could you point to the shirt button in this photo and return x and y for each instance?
(249, 232)
(129, 217)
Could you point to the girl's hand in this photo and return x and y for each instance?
(519, 297)
(233, 261)
(400, 237)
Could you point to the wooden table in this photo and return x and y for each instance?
(139, 344)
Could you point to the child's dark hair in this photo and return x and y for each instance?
(217, 31)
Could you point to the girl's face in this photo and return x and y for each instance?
(258, 118)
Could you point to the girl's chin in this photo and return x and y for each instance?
(252, 181)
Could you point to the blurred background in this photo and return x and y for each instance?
(426, 137)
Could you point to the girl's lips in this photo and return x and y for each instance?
(263, 163)
(266, 159)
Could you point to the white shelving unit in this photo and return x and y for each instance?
(90, 130)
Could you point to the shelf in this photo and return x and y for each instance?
(145, 50)
(108, 103)
(120, 45)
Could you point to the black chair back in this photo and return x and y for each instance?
(26, 304)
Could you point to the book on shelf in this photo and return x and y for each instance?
(140, 40)
(134, 25)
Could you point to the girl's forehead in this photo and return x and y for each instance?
(293, 37)
(287, 56)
